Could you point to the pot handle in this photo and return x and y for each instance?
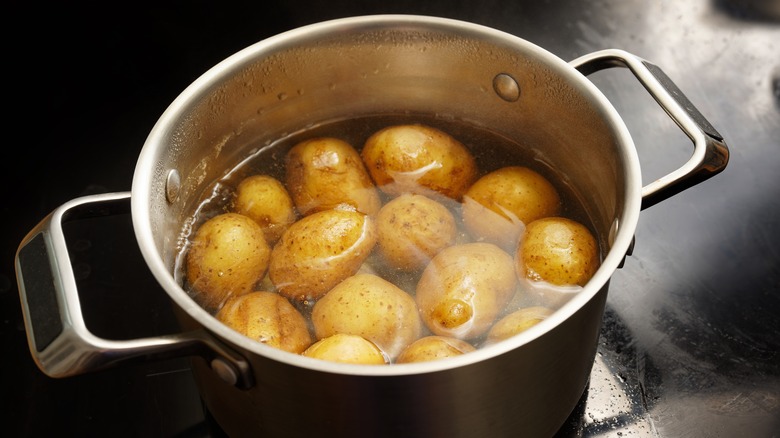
(710, 154)
(57, 335)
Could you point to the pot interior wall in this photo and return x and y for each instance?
(288, 83)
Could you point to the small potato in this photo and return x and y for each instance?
(269, 318)
(498, 205)
(319, 251)
(464, 287)
(418, 159)
(557, 250)
(265, 199)
(228, 256)
(323, 173)
(433, 348)
(371, 307)
(346, 348)
(411, 229)
(516, 322)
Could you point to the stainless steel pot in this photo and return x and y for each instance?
(527, 385)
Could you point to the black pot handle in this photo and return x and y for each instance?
(59, 340)
(710, 154)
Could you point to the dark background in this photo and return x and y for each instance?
(692, 325)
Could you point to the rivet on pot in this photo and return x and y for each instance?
(506, 87)
(172, 185)
(225, 371)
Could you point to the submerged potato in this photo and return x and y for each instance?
(433, 348)
(463, 289)
(269, 318)
(557, 250)
(324, 173)
(411, 229)
(371, 307)
(319, 251)
(228, 256)
(346, 348)
(265, 199)
(517, 322)
(499, 204)
(418, 159)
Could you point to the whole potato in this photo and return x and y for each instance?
(323, 173)
(269, 318)
(265, 199)
(228, 256)
(371, 307)
(498, 205)
(319, 251)
(463, 289)
(557, 250)
(433, 348)
(411, 229)
(516, 322)
(347, 348)
(418, 159)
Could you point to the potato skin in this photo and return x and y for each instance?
(499, 204)
(319, 251)
(517, 322)
(418, 159)
(433, 348)
(346, 348)
(228, 256)
(411, 229)
(268, 318)
(323, 173)
(371, 307)
(559, 251)
(463, 289)
(265, 199)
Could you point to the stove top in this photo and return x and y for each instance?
(690, 343)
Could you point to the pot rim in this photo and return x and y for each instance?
(146, 167)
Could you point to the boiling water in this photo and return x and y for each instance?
(490, 150)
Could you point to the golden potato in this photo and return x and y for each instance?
(269, 318)
(498, 205)
(433, 348)
(411, 229)
(371, 307)
(323, 173)
(228, 256)
(463, 289)
(319, 251)
(516, 322)
(557, 250)
(265, 199)
(418, 159)
(346, 348)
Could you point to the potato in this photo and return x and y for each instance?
(418, 159)
(516, 322)
(269, 318)
(371, 307)
(463, 289)
(346, 348)
(323, 173)
(498, 205)
(228, 256)
(411, 229)
(319, 251)
(557, 250)
(433, 348)
(265, 199)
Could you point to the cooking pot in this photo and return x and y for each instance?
(373, 65)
